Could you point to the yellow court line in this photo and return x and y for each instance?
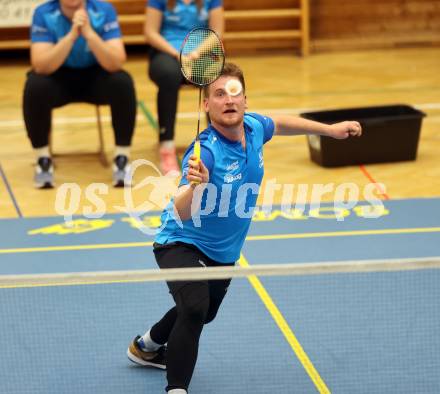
(345, 233)
(286, 330)
(249, 238)
(76, 247)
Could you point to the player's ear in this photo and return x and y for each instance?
(206, 104)
(245, 103)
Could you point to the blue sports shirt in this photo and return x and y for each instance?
(184, 17)
(50, 25)
(228, 201)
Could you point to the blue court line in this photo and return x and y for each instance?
(11, 194)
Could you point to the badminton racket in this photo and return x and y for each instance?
(202, 58)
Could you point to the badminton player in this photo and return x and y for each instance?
(231, 154)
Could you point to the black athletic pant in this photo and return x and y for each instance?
(164, 71)
(92, 85)
(197, 303)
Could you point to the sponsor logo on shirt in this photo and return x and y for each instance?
(111, 26)
(39, 29)
(173, 18)
(233, 166)
(229, 178)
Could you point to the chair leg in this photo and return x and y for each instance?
(102, 154)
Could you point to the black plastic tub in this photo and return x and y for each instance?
(389, 133)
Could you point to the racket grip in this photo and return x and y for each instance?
(197, 155)
(197, 150)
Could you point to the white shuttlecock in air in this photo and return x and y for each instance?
(233, 87)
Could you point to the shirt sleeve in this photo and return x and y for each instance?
(268, 126)
(205, 155)
(39, 29)
(215, 4)
(111, 27)
(158, 4)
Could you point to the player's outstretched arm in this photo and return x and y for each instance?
(290, 125)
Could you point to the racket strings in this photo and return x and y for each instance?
(202, 57)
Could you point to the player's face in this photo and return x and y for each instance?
(224, 109)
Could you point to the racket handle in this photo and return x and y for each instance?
(197, 150)
(197, 155)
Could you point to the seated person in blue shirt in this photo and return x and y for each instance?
(166, 25)
(231, 161)
(77, 55)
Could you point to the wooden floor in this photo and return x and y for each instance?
(275, 84)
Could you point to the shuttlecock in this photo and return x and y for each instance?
(233, 87)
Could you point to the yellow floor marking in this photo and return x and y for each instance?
(249, 238)
(286, 330)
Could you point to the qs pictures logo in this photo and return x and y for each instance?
(158, 191)
(152, 193)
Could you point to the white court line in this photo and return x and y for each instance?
(191, 115)
(64, 121)
(296, 111)
(428, 106)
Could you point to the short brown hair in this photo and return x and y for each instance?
(230, 70)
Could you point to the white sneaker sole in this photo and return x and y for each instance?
(142, 362)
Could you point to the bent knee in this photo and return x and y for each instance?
(38, 85)
(193, 303)
(196, 311)
(121, 80)
(210, 317)
(167, 77)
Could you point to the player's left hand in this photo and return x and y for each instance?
(81, 18)
(345, 129)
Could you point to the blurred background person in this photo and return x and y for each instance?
(167, 23)
(77, 55)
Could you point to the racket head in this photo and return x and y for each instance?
(202, 56)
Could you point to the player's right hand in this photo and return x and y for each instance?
(197, 172)
(82, 17)
(77, 23)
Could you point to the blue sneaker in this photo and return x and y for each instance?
(43, 178)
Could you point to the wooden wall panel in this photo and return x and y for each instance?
(252, 26)
(259, 4)
(334, 24)
(132, 7)
(262, 24)
(347, 24)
